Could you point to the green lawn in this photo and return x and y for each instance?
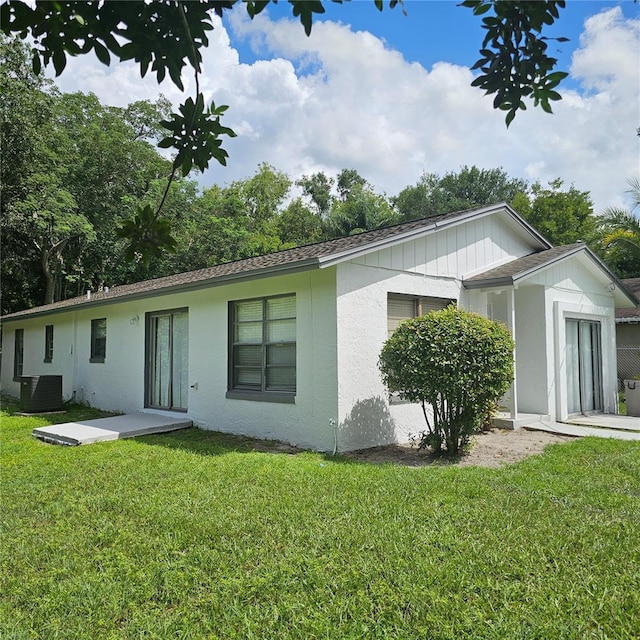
(194, 535)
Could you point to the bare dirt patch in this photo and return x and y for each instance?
(492, 448)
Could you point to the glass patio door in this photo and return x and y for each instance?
(167, 360)
(584, 366)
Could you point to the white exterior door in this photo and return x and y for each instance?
(584, 366)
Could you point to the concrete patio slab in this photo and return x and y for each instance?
(112, 428)
(578, 430)
(627, 423)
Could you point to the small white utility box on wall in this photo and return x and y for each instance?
(632, 397)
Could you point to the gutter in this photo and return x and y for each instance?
(104, 299)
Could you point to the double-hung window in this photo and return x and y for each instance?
(404, 307)
(18, 353)
(98, 340)
(48, 343)
(262, 349)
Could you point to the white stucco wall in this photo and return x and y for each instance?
(432, 265)
(576, 288)
(118, 383)
(34, 344)
(366, 418)
(534, 372)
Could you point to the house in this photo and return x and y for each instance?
(286, 345)
(628, 337)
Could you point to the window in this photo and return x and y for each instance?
(403, 307)
(262, 349)
(18, 353)
(48, 343)
(98, 340)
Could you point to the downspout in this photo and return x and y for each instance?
(74, 358)
(511, 313)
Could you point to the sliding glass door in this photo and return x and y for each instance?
(167, 368)
(584, 366)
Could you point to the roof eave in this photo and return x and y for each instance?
(522, 276)
(105, 299)
(350, 254)
(489, 283)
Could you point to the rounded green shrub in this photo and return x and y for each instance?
(456, 363)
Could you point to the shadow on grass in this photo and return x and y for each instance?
(215, 443)
(211, 443)
(71, 412)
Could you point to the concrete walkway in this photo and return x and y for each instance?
(113, 428)
(600, 426)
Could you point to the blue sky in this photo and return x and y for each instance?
(436, 30)
(389, 95)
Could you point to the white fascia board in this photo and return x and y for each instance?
(624, 299)
(524, 275)
(350, 254)
(170, 289)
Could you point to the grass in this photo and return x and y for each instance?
(622, 405)
(194, 535)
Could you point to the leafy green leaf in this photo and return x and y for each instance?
(510, 117)
(102, 53)
(147, 235)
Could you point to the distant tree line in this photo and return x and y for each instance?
(74, 171)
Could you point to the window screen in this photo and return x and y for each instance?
(98, 340)
(403, 307)
(263, 345)
(48, 343)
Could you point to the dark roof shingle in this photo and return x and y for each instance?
(304, 257)
(508, 273)
(630, 315)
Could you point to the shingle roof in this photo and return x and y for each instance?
(509, 273)
(630, 315)
(304, 257)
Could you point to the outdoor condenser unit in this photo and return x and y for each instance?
(40, 393)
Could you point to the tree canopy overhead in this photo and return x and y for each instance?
(166, 37)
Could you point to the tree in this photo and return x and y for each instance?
(298, 225)
(48, 217)
(561, 216)
(620, 235)
(262, 196)
(318, 189)
(455, 362)
(357, 208)
(470, 187)
(168, 35)
(68, 162)
(514, 61)
(25, 109)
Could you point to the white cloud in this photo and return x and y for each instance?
(341, 98)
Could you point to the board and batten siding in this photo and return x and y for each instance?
(456, 251)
